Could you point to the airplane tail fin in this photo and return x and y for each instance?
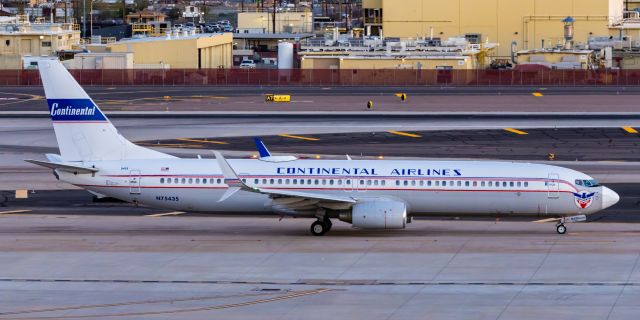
(82, 130)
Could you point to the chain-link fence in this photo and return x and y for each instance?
(333, 77)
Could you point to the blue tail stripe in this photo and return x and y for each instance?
(70, 110)
(262, 149)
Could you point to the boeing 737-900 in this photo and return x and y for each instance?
(368, 194)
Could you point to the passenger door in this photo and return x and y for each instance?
(134, 182)
(553, 186)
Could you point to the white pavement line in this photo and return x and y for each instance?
(175, 213)
(14, 211)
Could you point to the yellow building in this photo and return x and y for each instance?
(20, 40)
(286, 22)
(145, 16)
(526, 22)
(194, 51)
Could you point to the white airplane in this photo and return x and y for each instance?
(369, 194)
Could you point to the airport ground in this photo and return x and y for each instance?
(64, 256)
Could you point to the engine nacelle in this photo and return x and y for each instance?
(377, 214)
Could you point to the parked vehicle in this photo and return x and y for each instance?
(247, 64)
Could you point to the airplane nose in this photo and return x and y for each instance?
(609, 197)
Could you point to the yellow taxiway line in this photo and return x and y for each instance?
(298, 137)
(202, 141)
(14, 211)
(516, 131)
(406, 134)
(537, 94)
(175, 213)
(630, 130)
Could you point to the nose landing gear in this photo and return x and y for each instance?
(561, 229)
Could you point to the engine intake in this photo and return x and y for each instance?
(378, 214)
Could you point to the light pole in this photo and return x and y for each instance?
(91, 21)
(84, 18)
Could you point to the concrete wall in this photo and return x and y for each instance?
(387, 63)
(527, 22)
(215, 51)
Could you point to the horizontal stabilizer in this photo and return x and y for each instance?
(64, 167)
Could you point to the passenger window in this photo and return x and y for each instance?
(413, 182)
(490, 183)
(190, 180)
(348, 181)
(331, 182)
(383, 182)
(317, 182)
(175, 180)
(482, 184)
(219, 181)
(406, 183)
(504, 184)
(301, 181)
(421, 183)
(204, 181)
(475, 183)
(184, 180)
(279, 181)
(286, 181)
(339, 182)
(271, 181)
(198, 181)
(295, 181)
(459, 183)
(429, 183)
(169, 181)
(526, 184)
(161, 180)
(264, 181)
(369, 182)
(244, 180)
(466, 183)
(375, 182)
(324, 182)
(519, 184)
(397, 182)
(437, 183)
(309, 181)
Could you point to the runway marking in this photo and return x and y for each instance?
(202, 141)
(630, 130)
(175, 213)
(298, 137)
(14, 211)
(185, 310)
(405, 134)
(537, 94)
(516, 131)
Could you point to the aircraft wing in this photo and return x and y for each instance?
(236, 184)
(64, 167)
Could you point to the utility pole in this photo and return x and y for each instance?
(275, 8)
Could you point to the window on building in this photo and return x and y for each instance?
(46, 44)
(7, 43)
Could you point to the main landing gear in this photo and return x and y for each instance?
(320, 227)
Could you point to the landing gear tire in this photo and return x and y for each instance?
(328, 224)
(561, 229)
(319, 228)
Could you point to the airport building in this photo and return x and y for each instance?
(287, 21)
(179, 50)
(23, 43)
(527, 24)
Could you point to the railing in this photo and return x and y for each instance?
(331, 77)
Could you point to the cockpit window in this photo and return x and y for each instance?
(587, 183)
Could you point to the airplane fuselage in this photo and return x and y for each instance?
(426, 187)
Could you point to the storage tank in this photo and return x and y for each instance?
(285, 55)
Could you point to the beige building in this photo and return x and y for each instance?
(195, 51)
(526, 22)
(286, 22)
(20, 40)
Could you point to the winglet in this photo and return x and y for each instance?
(230, 176)
(262, 149)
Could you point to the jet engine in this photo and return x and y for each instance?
(377, 214)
